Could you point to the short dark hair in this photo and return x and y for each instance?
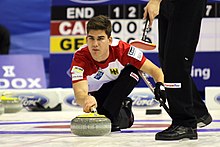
(100, 22)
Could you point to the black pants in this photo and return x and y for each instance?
(179, 29)
(111, 95)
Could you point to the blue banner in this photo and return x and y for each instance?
(59, 66)
(22, 72)
(28, 22)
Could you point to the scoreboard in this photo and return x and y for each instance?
(69, 17)
(68, 24)
(68, 30)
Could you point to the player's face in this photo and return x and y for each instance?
(98, 44)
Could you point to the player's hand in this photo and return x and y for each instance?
(151, 10)
(90, 102)
(159, 92)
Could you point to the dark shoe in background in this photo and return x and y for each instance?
(39, 107)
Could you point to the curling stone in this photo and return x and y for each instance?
(2, 109)
(91, 124)
(11, 104)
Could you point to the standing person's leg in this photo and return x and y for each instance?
(171, 53)
(112, 98)
(200, 109)
(178, 52)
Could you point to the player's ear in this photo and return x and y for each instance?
(110, 40)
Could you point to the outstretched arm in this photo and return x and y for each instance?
(151, 69)
(154, 71)
(82, 97)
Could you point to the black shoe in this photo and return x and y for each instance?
(115, 128)
(40, 107)
(127, 106)
(204, 120)
(175, 132)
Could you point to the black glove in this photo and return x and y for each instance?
(159, 92)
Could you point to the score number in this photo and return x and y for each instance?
(130, 29)
(132, 12)
(126, 11)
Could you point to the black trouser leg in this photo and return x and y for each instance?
(110, 96)
(179, 33)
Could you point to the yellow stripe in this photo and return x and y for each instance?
(90, 115)
(4, 98)
(66, 44)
